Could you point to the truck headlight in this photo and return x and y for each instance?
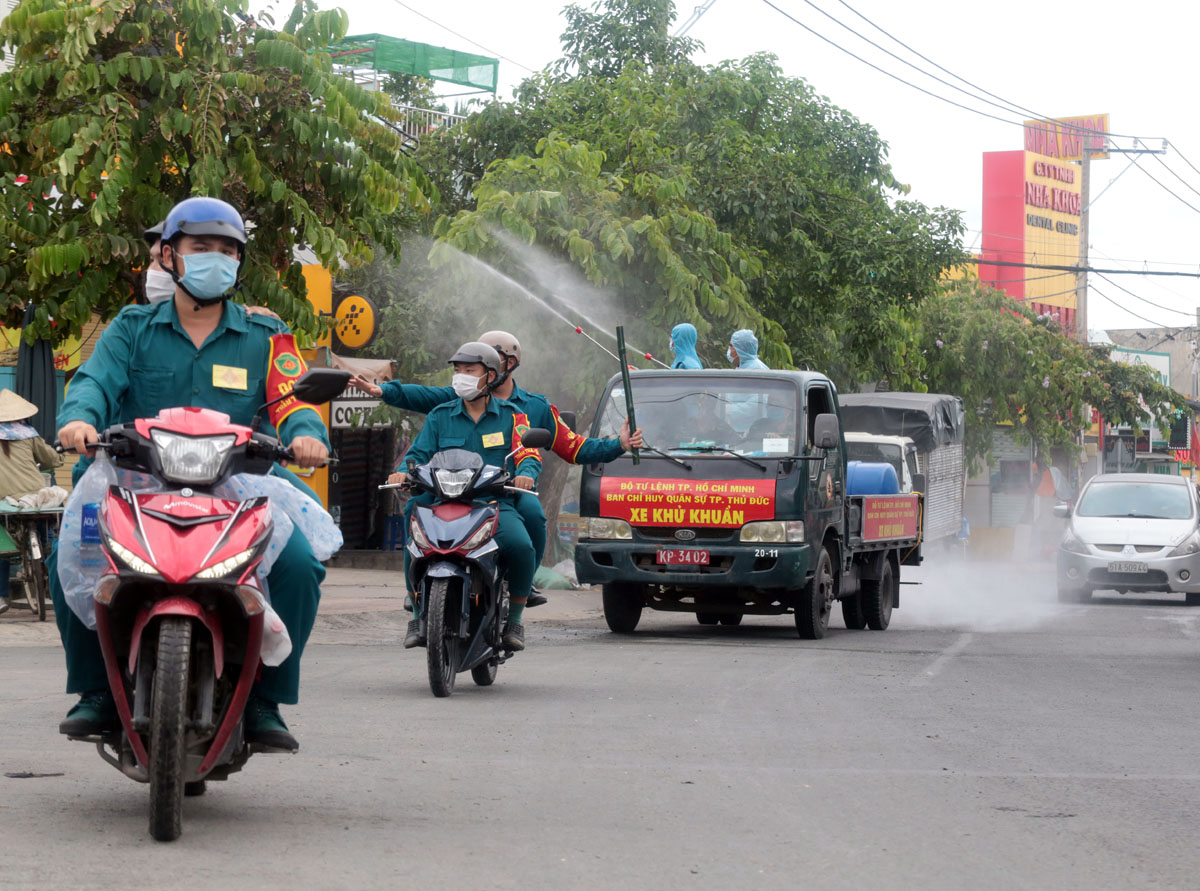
(773, 531)
(604, 527)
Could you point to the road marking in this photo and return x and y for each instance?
(939, 664)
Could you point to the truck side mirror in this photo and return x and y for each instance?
(920, 481)
(826, 432)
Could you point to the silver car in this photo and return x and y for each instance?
(1131, 532)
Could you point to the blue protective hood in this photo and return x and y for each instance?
(684, 338)
(746, 345)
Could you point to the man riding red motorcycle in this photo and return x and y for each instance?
(199, 350)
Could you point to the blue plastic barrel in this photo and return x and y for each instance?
(869, 478)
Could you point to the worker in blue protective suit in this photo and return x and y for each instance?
(743, 351)
(683, 345)
(195, 349)
(568, 445)
(481, 422)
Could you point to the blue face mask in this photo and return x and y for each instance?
(209, 275)
(729, 353)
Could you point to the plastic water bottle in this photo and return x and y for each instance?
(91, 560)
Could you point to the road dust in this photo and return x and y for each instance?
(977, 596)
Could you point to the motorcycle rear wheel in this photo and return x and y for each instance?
(168, 717)
(441, 647)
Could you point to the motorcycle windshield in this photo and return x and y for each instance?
(456, 459)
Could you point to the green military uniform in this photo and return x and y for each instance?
(537, 408)
(145, 362)
(448, 426)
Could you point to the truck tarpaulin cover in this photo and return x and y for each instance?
(928, 419)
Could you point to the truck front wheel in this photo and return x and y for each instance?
(622, 606)
(815, 601)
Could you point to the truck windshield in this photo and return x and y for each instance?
(876, 453)
(747, 415)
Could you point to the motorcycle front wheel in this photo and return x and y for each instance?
(441, 643)
(168, 718)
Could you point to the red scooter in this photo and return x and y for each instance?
(179, 611)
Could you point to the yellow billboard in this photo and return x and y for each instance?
(1066, 138)
(1052, 216)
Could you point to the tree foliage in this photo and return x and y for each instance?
(116, 109)
(835, 254)
(1014, 366)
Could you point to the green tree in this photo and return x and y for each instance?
(1014, 366)
(116, 109)
(798, 184)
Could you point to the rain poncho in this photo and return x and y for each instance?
(290, 508)
(746, 345)
(683, 345)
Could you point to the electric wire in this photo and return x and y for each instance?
(978, 261)
(1094, 290)
(1166, 188)
(463, 37)
(1014, 105)
(1119, 287)
(1159, 159)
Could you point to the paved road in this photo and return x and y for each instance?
(991, 738)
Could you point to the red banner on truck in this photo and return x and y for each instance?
(710, 503)
(890, 516)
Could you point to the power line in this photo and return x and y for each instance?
(885, 72)
(463, 37)
(981, 262)
(1093, 289)
(1182, 312)
(1166, 188)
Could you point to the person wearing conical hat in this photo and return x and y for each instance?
(21, 453)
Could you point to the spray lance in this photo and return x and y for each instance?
(628, 388)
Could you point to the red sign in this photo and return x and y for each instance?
(710, 503)
(890, 516)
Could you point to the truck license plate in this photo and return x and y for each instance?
(1127, 567)
(681, 557)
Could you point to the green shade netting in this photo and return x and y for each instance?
(392, 54)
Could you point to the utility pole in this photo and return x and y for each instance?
(1081, 283)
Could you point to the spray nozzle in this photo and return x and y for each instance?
(649, 357)
(578, 330)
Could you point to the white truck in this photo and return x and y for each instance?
(878, 425)
(899, 451)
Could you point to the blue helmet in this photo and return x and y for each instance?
(204, 216)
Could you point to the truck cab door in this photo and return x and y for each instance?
(826, 482)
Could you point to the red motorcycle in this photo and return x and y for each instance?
(179, 611)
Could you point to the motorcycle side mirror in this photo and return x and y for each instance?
(315, 386)
(568, 418)
(536, 438)
(319, 385)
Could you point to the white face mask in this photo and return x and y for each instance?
(159, 285)
(467, 386)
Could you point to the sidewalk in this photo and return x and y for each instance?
(358, 606)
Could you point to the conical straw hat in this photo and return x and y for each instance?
(14, 408)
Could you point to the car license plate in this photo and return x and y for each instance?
(681, 557)
(1127, 567)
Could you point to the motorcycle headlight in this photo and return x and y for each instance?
(1189, 545)
(191, 459)
(130, 559)
(1073, 545)
(415, 533)
(603, 527)
(773, 530)
(226, 566)
(478, 537)
(454, 482)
